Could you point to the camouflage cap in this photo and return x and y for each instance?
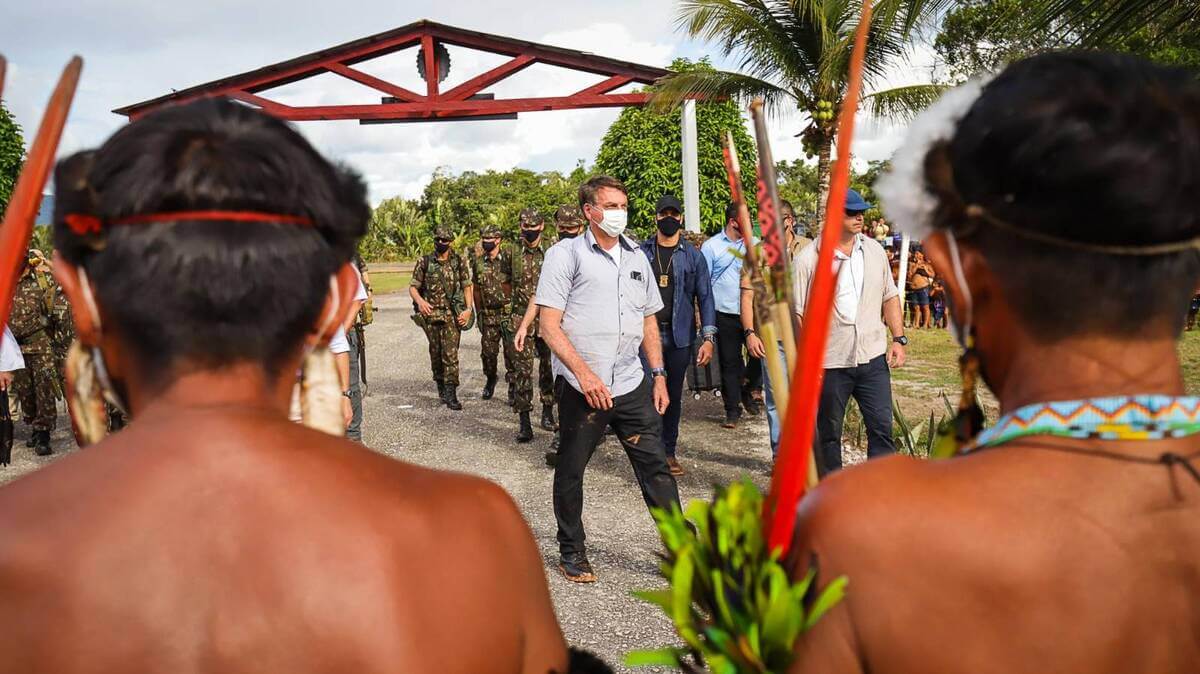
(531, 216)
(442, 232)
(34, 253)
(490, 231)
(569, 217)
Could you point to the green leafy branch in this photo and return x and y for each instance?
(731, 601)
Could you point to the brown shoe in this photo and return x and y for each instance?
(676, 469)
(730, 422)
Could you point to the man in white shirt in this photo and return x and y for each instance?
(855, 362)
(10, 361)
(598, 303)
(339, 346)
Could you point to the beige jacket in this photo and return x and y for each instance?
(857, 343)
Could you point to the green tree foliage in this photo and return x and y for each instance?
(470, 200)
(12, 155)
(795, 55)
(798, 185)
(643, 149)
(983, 35)
(397, 231)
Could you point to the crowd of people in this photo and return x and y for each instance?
(213, 534)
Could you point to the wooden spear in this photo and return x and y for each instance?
(17, 228)
(791, 467)
(762, 313)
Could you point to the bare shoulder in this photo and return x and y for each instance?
(892, 507)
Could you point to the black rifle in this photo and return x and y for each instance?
(6, 430)
(361, 331)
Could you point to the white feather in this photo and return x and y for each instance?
(901, 190)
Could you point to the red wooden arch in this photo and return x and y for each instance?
(465, 101)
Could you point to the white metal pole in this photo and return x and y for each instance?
(691, 168)
(903, 280)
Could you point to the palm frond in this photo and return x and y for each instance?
(750, 30)
(672, 90)
(1097, 22)
(901, 104)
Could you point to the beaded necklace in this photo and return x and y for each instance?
(1142, 417)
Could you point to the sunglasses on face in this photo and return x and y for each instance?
(854, 214)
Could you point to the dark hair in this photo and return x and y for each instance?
(1089, 147)
(785, 207)
(731, 213)
(588, 190)
(201, 294)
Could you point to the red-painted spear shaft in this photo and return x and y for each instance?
(787, 483)
(27, 194)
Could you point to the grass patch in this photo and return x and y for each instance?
(1189, 359)
(388, 282)
(932, 370)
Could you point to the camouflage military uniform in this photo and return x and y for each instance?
(32, 323)
(438, 281)
(492, 302)
(523, 270)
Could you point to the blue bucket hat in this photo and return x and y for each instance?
(855, 202)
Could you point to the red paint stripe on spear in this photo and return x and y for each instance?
(787, 482)
(27, 195)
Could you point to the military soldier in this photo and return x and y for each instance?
(524, 267)
(493, 300)
(570, 222)
(443, 299)
(33, 324)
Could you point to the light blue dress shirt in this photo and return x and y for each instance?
(724, 258)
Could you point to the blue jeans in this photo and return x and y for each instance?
(871, 386)
(773, 424)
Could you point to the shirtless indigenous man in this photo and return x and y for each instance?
(206, 251)
(1059, 201)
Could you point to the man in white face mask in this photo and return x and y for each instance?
(598, 301)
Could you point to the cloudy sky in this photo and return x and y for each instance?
(139, 49)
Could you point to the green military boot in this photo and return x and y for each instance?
(489, 388)
(442, 392)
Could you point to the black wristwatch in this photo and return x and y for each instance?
(346, 393)
(901, 340)
(658, 372)
(747, 332)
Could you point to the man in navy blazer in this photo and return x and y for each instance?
(681, 275)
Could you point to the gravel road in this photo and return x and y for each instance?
(405, 420)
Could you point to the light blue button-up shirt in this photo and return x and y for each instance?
(604, 305)
(724, 257)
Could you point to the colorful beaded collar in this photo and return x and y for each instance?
(1142, 417)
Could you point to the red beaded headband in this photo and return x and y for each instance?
(89, 224)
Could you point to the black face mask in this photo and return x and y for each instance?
(441, 247)
(568, 235)
(531, 235)
(669, 226)
(489, 246)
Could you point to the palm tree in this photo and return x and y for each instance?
(795, 55)
(1100, 23)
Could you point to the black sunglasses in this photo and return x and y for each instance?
(851, 214)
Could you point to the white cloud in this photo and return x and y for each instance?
(139, 49)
